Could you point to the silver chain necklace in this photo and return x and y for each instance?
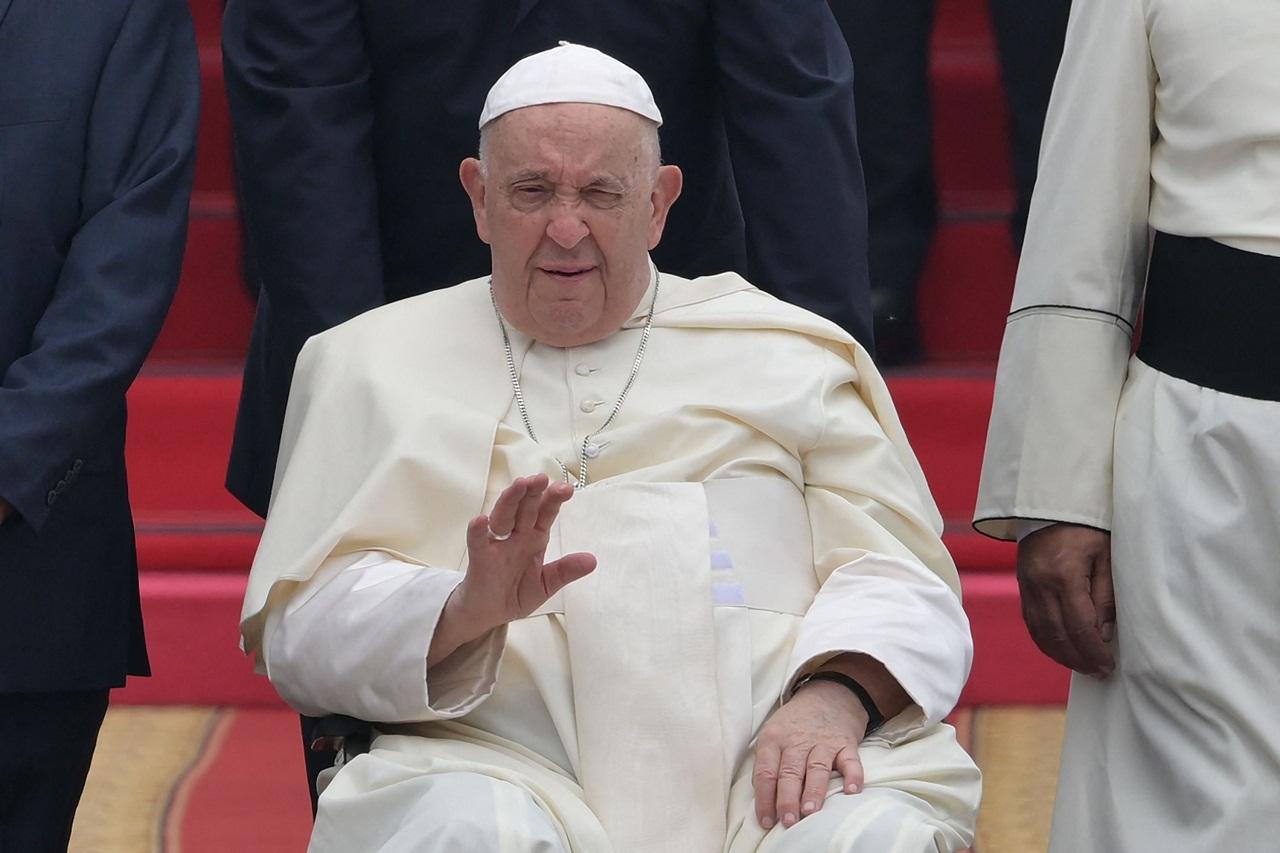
(581, 480)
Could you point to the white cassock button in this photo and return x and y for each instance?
(583, 370)
(591, 451)
(589, 406)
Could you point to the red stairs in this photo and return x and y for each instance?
(196, 542)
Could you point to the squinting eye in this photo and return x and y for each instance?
(530, 193)
(602, 197)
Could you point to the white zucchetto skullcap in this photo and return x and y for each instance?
(570, 74)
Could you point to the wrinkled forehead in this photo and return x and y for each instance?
(569, 136)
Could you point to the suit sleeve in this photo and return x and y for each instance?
(122, 264)
(299, 84)
(787, 81)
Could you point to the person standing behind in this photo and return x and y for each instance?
(98, 111)
(890, 44)
(1144, 490)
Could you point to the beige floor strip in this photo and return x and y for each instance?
(142, 754)
(1017, 749)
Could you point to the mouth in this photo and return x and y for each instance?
(567, 273)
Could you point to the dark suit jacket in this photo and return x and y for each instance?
(351, 118)
(98, 107)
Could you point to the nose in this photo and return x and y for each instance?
(566, 227)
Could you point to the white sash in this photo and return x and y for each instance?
(642, 647)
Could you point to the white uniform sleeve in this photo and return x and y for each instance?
(353, 640)
(888, 587)
(1067, 343)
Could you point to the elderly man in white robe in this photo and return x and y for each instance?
(615, 561)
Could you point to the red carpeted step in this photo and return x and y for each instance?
(946, 417)
(1008, 668)
(212, 313)
(193, 639)
(180, 426)
(966, 290)
(971, 145)
(213, 142)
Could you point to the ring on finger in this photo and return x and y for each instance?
(499, 537)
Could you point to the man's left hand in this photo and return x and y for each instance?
(817, 732)
(5, 509)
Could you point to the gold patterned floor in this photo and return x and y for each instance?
(159, 785)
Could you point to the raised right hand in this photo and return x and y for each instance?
(506, 577)
(1064, 576)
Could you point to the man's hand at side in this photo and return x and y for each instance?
(5, 509)
(1064, 576)
(506, 577)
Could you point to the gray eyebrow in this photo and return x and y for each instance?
(607, 182)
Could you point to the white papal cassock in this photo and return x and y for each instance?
(755, 510)
(1165, 116)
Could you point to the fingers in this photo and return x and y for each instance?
(502, 518)
(791, 773)
(764, 779)
(1061, 574)
(1104, 596)
(517, 508)
(560, 573)
(1084, 634)
(527, 509)
(552, 500)
(849, 765)
(817, 777)
(792, 784)
(1061, 630)
(477, 533)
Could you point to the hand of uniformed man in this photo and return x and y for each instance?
(506, 577)
(1064, 575)
(5, 509)
(813, 734)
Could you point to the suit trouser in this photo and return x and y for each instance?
(889, 40)
(48, 744)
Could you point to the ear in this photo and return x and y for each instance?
(471, 172)
(666, 189)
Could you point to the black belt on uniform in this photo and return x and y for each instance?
(1212, 316)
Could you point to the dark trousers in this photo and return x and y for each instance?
(48, 744)
(889, 40)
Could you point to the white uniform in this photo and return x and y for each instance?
(1165, 116)
(755, 510)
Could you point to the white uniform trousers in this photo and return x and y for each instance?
(1179, 750)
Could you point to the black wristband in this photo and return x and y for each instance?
(875, 719)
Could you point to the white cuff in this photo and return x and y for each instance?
(902, 615)
(353, 640)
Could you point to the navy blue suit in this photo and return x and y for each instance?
(351, 119)
(98, 111)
